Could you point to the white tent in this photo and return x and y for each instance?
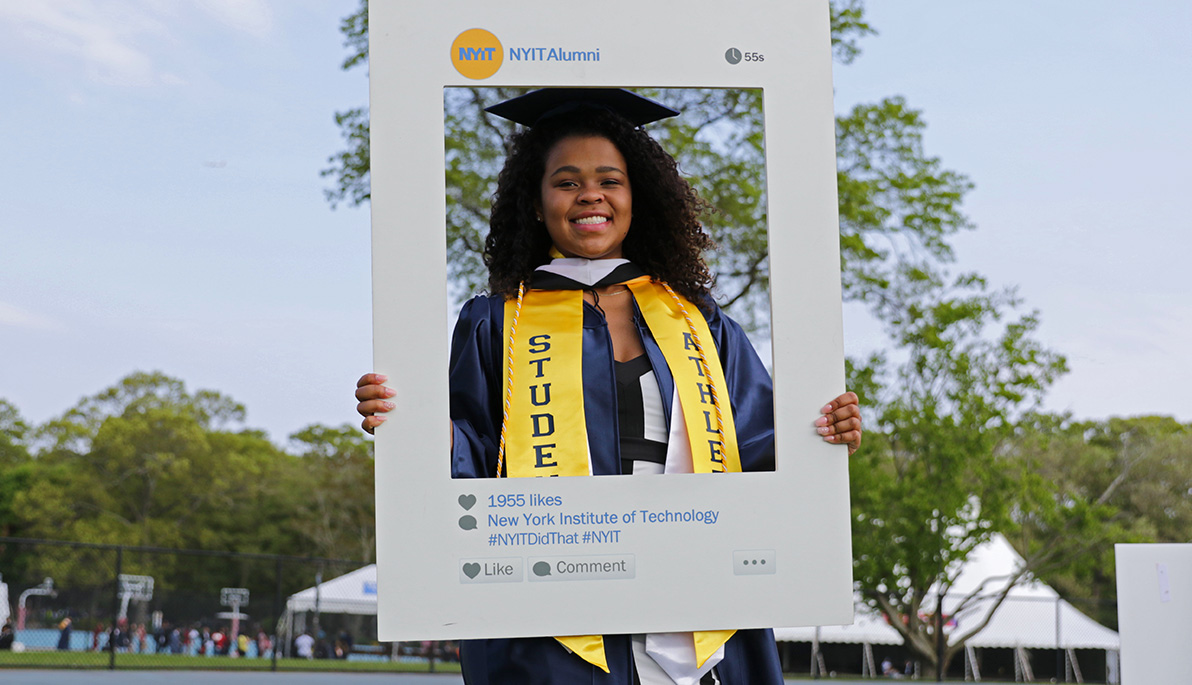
(352, 593)
(1033, 615)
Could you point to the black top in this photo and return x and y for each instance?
(631, 416)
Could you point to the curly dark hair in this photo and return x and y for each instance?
(666, 238)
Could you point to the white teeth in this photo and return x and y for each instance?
(591, 220)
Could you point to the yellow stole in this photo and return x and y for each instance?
(543, 430)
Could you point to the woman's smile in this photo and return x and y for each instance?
(586, 201)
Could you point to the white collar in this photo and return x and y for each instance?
(586, 271)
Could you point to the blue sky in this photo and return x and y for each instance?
(161, 207)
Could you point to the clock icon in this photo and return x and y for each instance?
(733, 55)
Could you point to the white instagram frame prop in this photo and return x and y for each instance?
(676, 577)
(1154, 588)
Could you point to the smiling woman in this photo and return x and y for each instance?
(599, 351)
(587, 204)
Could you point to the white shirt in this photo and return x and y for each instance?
(305, 645)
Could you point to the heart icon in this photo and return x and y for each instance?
(467, 501)
(471, 570)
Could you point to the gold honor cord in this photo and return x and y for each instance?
(508, 371)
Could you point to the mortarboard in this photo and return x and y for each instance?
(541, 104)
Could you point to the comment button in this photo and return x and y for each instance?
(597, 567)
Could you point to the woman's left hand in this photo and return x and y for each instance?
(841, 422)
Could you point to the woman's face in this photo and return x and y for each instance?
(586, 202)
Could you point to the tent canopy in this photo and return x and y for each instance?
(1032, 616)
(352, 593)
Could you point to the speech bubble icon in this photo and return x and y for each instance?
(471, 570)
(467, 522)
(467, 501)
(542, 568)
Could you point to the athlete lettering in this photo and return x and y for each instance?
(708, 423)
(717, 456)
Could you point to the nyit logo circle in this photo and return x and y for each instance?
(476, 54)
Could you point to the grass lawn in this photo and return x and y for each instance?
(56, 659)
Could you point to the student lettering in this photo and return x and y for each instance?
(543, 424)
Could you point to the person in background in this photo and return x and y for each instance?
(264, 644)
(95, 633)
(222, 643)
(64, 631)
(161, 638)
(7, 636)
(304, 646)
(119, 639)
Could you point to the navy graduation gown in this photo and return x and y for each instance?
(477, 348)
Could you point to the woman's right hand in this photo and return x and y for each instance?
(372, 395)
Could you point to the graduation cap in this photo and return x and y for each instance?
(545, 103)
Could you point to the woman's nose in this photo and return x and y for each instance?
(591, 194)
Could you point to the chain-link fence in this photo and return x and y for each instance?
(79, 605)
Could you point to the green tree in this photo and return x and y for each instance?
(338, 517)
(931, 484)
(147, 463)
(137, 393)
(1089, 484)
(13, 431)
(350, 166)
(898, 207)
(16, 467)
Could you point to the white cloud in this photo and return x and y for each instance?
(250, 16)
(100, 36)
(11, 315)
(121, 42)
